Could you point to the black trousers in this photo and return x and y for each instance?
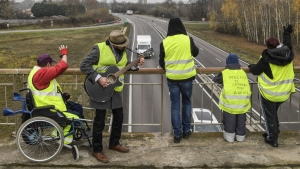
(234, 123)
(269, 110)
(99, 124)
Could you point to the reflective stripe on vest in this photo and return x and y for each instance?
(108, 59)
(179, 62)
(281, 86)
(48, 96)
(235, 95)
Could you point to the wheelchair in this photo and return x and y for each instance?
(41, 137)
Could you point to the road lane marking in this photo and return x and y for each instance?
(218, 60)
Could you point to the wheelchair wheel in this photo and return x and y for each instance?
(40, 139)
(78, 134)
(75, 152)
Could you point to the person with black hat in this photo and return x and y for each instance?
(176, 57)
(45, 89)
(234, 99)
(112, 52)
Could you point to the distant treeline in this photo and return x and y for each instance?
(256, 19)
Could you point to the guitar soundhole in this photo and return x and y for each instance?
(111, 78)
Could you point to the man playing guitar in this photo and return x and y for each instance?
(104, 67)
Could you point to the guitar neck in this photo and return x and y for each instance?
(118, 73)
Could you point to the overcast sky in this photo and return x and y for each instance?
(133, 1)
(149, 1)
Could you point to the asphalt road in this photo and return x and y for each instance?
(209, 56)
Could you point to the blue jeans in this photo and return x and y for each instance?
(185, 89)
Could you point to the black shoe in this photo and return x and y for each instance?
(177, 139)
(272, 143)
(265, 135)
(187, 134)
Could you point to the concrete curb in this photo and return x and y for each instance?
(151, 150)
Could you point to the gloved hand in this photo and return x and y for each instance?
(63, 50)
(288, 30)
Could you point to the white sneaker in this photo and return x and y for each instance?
(228, 136)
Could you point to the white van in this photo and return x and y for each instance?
(129, 12)
(144, 45)
(201, 116)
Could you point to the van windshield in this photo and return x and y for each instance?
(143, 46)
(207, 128)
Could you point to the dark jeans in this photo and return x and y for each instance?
(75, 108)
(76, 113)
(269, 110)
(99, 124)
(185, 90)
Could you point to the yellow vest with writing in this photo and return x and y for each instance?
(48, 96)
(235, 95)
(281, 86)
(108, 59)
(179, 62)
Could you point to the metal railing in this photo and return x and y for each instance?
(150, 97)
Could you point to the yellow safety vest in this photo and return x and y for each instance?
(179, 62)
(48, 96)
(281, 86)
(235, 95)
(108, 59)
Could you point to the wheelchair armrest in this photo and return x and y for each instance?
(45, 111)
(44, 107)
(23, 89)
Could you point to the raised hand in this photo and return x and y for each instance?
(63, 50)
(289, 29)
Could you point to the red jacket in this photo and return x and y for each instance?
(42, 77)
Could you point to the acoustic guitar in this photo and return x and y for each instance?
(99, 93)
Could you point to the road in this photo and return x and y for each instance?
(209, 56)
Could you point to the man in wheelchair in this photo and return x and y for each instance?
(46, 90)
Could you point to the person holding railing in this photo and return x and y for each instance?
(177, 52)
(234, 99)
(275, 81)
(45, 89)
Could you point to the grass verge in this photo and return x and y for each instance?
(247, 51)
(20, 50)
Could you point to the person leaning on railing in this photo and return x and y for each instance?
(176, 57)
(234, 99)
(275, 81)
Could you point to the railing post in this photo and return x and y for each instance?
(15, 89)
(211, 101)
(162, 105)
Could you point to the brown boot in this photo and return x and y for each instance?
(100, 157)
(119, 148)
